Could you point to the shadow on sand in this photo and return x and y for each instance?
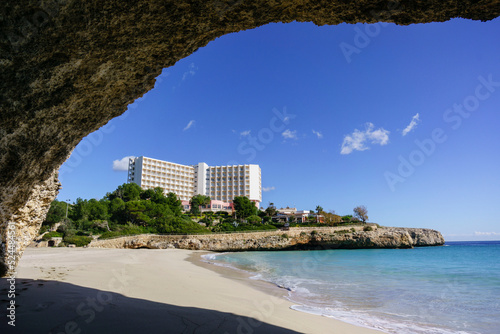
(44, 306)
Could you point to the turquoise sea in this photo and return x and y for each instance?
(449, 289)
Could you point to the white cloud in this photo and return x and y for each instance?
(245, 133)
(318, 133)
(486, 233)
(122, 164)
(287, 134)
(265, 189)
(357, 140)
(414, 121)
(191, 71)
(189, 125)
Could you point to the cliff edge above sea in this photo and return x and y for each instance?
(295, 238)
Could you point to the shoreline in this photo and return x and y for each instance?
(123, 290)
(264, 286)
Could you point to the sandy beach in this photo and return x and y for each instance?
(80, 290)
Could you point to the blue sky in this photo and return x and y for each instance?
(323, 111)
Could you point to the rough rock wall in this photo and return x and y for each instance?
(295, 238)
(26, 222)
(67, 67)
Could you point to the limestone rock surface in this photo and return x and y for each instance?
(295, 238)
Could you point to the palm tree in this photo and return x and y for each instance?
(319, 209)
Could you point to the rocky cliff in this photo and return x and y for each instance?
(69, 66)
(295, 238)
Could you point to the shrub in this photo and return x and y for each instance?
(302, 234)
(229, 227)
(367, 228)
(222, 213)
(254, 219)
(268, 220)
(124, 230)
(284, 236)
(77, 240)
(70, 232)
(50, 235)
(314, 232)
(353, 229)
(206, 220)
(44, 229)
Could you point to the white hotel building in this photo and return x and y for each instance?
(221, 183)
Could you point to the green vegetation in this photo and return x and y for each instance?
(125, 211)
(198, 201)
(130, 210)
(234, 227)
(254, 219)
(244, 207)
(367, 228)
(77, 240)
(53, 234)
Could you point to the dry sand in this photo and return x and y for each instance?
(80, 290)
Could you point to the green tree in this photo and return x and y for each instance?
(271, 210)
(156, 195)
(244, 207)
(127, 192)
(57, 212)
(117, 210)
(361, 212)
(197, 201)
(174, 203)
(319, 210)
(80, 210)
(136, 212)
(97, 210)
(346, 218)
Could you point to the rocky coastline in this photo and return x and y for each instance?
(293, 239)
